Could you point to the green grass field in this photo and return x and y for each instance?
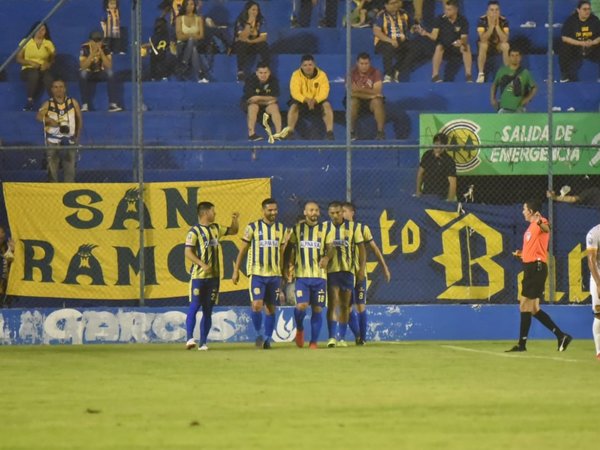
(417, 395)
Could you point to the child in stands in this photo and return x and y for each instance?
(111, 26)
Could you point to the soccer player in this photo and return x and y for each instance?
(202, 249)
(266, 240)
(344, 238)
(593, 248)
(358, 308)
(305, 249)
(535, 271)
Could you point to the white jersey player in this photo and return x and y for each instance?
(593, 256)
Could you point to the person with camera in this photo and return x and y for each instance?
(516, 84)
(95, 64)
(62, 121)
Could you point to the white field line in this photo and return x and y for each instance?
(523, 355)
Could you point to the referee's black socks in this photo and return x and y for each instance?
(548, 323)
(524, 329)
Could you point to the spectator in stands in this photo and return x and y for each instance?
(493, 37)
(62, 121)
(309, 89)
(366, 94)
(189, 29)
(162, 61)
(95, 64)
(250, 38)
(450, 33)
(302, 10)
(260, 95)
(169, 11)
(588, 197)
(580, 39)
(111, 26)
(7, 250)
(392, 30)
(437, 171)
(516, 84)
(36, 56)
(363, 13)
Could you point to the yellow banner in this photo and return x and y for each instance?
(82, 241)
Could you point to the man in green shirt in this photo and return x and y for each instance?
(515, 83)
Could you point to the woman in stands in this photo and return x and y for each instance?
(250, 38)
(189, 28)
(36, 57)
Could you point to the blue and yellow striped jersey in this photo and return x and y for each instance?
(205, 240)
(310, 247)
(266, 242)
(343, 238)
(367, 237)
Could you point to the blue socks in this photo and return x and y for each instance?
(362, 324)
(353, 323)
(190, 320)
(331, 327)
(269, 325)
(342, 331)
(205, 324)
(256, 320)
(316, 322)
(299, 316)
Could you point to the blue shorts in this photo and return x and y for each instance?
(204, 291)
(343, 280)
(313, 290)
(359, 295)
(264, 289)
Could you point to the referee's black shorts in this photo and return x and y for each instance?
(534, 279)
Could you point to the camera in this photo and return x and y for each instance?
(64, 128)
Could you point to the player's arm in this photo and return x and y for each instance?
(362, 261)
(451, 189)
(233, 229)
(238, 262)
(324, 261)
(375, 249)
(190, 254)
(592, 258)
(289, 256)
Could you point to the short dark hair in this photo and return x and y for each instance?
(493, 2)
(363, 55)
(534, 205)
(203, 207)
(268, 201)
(583, 2)
(515, 49)
(307, 57)
(262, 65)
(440, 138)
(335, 204)
(349, 205)
(452, 3)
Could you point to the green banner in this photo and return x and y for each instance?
(517, 144)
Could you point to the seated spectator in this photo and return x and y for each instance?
(189, 30)
(451, 35)
(36, 56)
(250, 38)
(366, 92)
(493, 37)
(162, 61)
(169, 11)
(7, 250)
(516, 84)
(95, 64)
(359, 16)
(302, 11)
(580, 40)
(309, 89)
(62, 121)
(587, 197)
(111, 26)
(260, 95)
(392, 31)
(437, 171)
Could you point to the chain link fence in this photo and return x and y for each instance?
(176, 95)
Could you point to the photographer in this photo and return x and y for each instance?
(62, 121)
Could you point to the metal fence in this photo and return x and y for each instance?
(183, 120)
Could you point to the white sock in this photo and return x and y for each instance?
(596, 332)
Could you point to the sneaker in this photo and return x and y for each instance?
(571, 109)
(360, 341)
(331, 343)
(294, 23)
(481, 77)
(255, 137)
(190, 344)
(380, 136)
(84, 107)
(516, 348)
(203, 80)
(564, 342)
(240, 76)
(556, 109)
(436, 79)
(28, 106)
(282, 134)
(529, 24)
(259, 341)
(299, 338)
(469, 78)
(267, 344)
(565, 80)
(313, 346)
(113, 107)
(203, 348)
(597, 356)
(352, 136)
(330, 136)
(342, 343)
(387, 79)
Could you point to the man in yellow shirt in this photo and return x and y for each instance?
(309, 89)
